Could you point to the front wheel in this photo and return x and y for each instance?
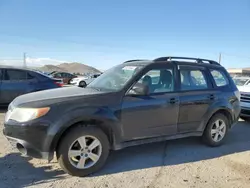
(83, 151)
(216, 130)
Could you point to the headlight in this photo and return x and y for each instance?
(26, 114)
(237, 94)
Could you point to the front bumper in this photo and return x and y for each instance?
(245, 109)
(29, 140)
(245, 112)
(74, 82)
(27, 149)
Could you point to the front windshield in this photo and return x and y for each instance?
(240, 82)
(115, 78)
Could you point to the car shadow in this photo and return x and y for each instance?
(3, 109)
(176, 152)
(17, 171)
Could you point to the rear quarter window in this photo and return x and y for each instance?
(41, 77)
(220, 78)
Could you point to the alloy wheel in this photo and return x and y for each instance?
(85, 152)
(218, 130)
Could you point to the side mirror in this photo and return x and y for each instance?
(139, 90)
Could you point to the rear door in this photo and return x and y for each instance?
(15, 82)
(196, 95)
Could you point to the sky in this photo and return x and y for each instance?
(105, 33)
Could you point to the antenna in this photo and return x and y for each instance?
(24, 60)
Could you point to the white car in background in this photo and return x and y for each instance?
(242, 81)
(243, 85)
(83, 81)
(79, 81)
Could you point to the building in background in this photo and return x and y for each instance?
(234, 72)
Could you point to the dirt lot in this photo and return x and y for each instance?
(180, 163)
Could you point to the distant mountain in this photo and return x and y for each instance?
(78, 67)
(69, 67)
(50, 68)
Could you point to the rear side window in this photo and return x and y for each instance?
(193, 80)
(59, 75)
(220, 78)
(15, 75)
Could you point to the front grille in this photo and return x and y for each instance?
(245, 112)
(245, 97)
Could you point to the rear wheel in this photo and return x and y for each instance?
(82, 84)
(216, 130)
(83, 151)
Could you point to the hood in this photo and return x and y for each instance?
(55, 95)
(244, 88)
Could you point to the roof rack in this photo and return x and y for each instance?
(198, 60)
(135, 60)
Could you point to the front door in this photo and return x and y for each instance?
(155, 114)
(196, 95)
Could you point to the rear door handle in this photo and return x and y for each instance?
(211, 97)
(173, 101)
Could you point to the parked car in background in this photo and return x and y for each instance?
(241, 81)
(65, 76)
(80, 81)
(124, 107)
(18, 81)
(83, 81)
(243, 84)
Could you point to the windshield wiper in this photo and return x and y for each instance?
(95, 88)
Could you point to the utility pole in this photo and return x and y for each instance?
(220, 58)
(24, 59)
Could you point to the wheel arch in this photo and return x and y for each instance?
(108, 124)
(84, 123)
(223, 110)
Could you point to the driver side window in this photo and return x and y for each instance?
(158, 80)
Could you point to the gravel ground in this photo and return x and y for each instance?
(180, 163)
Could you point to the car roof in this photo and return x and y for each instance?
(175, 60)
(17, 68)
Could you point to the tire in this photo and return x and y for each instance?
(70, 165)
(209, 137)
(82, 84)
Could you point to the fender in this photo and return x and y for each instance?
(215, 107)
(105, 116)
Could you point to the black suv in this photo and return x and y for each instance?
(134, 103)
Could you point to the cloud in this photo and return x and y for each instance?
(43, 61)
(32, 61)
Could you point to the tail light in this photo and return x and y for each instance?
(59, 84)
